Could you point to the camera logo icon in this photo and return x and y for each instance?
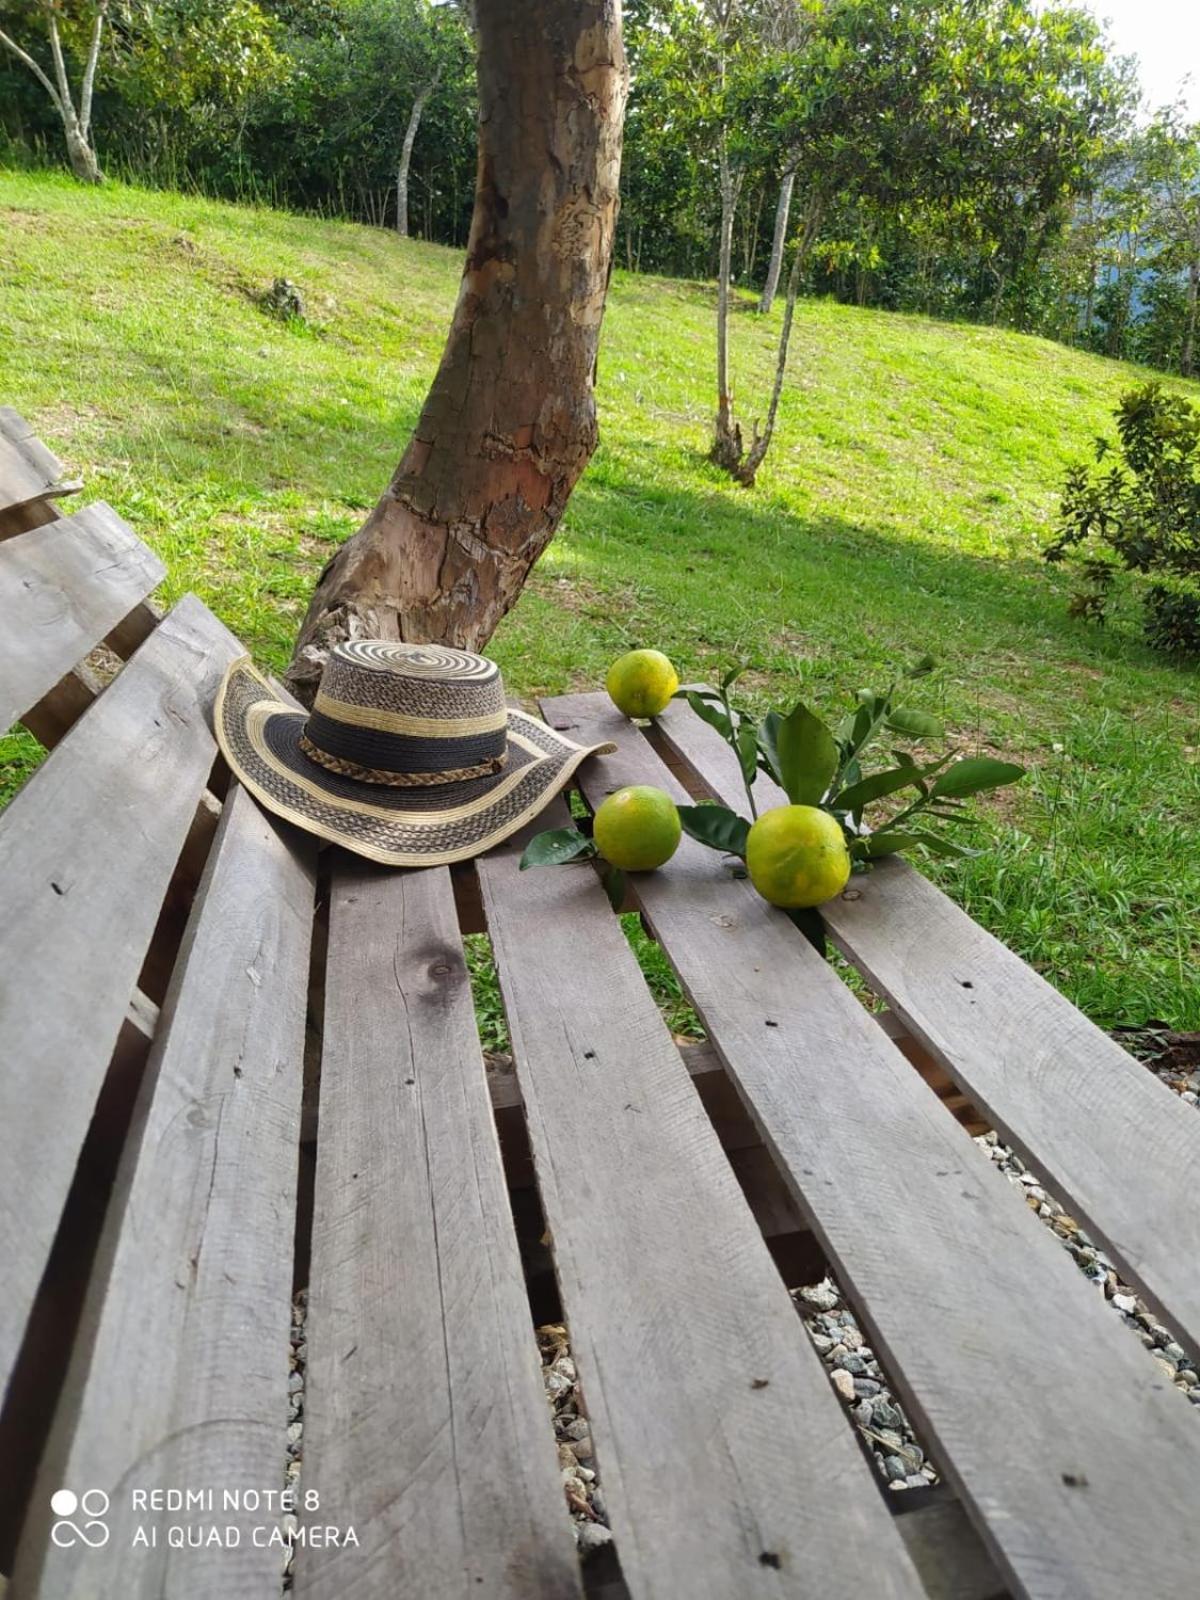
(92, 1506)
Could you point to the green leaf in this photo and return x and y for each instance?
(556, 845)
(613, 880)
(876, 786)
(712, 714)
(917, 724)
(974, 774)
(876, 845)
(717, 827)
(768, 745)
(937, 846)
(858, 729)
(747, 748)
(731, 677)
(808, 756)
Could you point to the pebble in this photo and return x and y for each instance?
(821, 1295)
(865, 1388)
(1124, 1302)
(843, 1383)
(591, 1536)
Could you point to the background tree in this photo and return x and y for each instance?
(936, 108)
(65, 33)
(510, 421)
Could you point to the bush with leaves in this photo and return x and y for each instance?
(1140, 511)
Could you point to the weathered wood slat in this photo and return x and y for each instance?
(28, 471)
(87, 849)
(426, 1422)
(1120, 1150)
(727, 1467)
(63, 588)
(947, 1265)
(180, 1376)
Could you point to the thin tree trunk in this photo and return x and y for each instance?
(406, 150)
(727, 436)
(746, 471)
(510, 421)
(750, 247)
(1188, 354)
(775, 266)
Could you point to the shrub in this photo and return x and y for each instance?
(1141, 512)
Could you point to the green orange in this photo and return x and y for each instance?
(637, 828)
(796, 856)
(641, 682)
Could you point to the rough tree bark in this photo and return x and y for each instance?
(775, 266)
(406, 150)
(510, 421)
(77, 123)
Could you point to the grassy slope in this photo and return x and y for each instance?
(914, 475)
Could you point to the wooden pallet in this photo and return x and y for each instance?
(232, 1067)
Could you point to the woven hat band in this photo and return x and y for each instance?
(400, 752)
(397, 780)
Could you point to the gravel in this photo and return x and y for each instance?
(572, 1431)
(297, 1357)
(1173, 1361)
(863, 1387)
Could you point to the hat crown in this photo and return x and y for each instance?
(398, 713)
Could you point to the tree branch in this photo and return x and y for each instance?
(89, 72)
(21, 55)
(66, 104)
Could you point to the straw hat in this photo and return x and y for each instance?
(410, 755)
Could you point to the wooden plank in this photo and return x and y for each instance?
(28, 471)
(1118, 1148)
(87, 849)
(180, 1375)
(426, 1424)
(63, 588)
(925, 1235)
(727, 1466)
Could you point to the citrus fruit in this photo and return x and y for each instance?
(637, 829)
(641, 682)
(796, 856)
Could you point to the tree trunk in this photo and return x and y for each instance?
(1187, 356)
(746, 471)
(727, 436)
(510, 421)
(406, 150)
(775, 266)
(80, 154)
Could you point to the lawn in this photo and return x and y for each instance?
(913, 482)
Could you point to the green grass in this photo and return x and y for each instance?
(914, 478)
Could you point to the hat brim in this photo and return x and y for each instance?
(259, 736)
